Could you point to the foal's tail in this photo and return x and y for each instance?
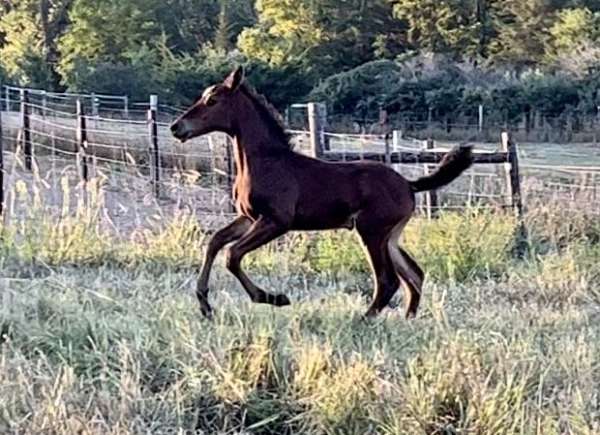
(452, 165)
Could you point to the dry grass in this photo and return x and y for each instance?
(100, 332)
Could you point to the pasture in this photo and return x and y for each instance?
(101, 332)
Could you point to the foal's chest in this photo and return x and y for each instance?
(247, 199)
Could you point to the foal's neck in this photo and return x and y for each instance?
(253, 138)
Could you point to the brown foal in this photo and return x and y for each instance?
(277, 190)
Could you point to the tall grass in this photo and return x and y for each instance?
(99, 331)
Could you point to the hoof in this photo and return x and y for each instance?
(206, 311)
(411, 314)
(372, 313)
(205, 307)
(281, 301)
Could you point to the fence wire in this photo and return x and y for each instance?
(194, 177)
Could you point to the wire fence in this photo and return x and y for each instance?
(197, 177)
(538, 126)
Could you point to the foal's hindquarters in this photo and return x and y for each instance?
(388, 205)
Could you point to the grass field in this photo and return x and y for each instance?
(100, 332)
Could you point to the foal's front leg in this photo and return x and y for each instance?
(260, 233)
(230, 233)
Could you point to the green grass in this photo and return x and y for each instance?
(112, 351)
(100, 332)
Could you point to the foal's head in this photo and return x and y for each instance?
(212, 111)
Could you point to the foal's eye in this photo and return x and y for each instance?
(211, 101)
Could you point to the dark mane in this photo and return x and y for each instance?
(269, 114)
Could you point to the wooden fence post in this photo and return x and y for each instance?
(396, 138)
(597, 129)
(1, 168)
(44, 103)
(316, 127)
(511, 170)
(480, 120)
(7, 96)
(431, 198)
(126, 106)
(82, 141)
(513, 187)
(388, 156)
(95, 110)
(153, 141)
(26, 130)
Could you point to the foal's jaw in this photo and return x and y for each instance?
(182, 132)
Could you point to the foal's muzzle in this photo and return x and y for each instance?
(178, 130)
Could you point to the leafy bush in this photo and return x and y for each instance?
(183, 77)
(134, 78)
(415, 86)
(551, 95)
(361, 87)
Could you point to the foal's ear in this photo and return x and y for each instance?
(235, 79)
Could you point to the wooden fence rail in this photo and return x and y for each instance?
(408, 157)
(508, 156)
(390, 154)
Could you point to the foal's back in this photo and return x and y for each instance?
(331, 195)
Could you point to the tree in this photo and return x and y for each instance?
(113, 31)
(451, 27)
(104, 31)
(571, 28)
(322, 35)
(30, 29)
(234, 17)
(573, 42)
(521, 28)
(187, 25)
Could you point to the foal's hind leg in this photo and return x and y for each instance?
(230, 233)
(260, 233)
(416, 276)
(386, 280)
(408, 269)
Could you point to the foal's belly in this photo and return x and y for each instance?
(324, 216)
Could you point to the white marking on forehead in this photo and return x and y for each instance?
(208, 91)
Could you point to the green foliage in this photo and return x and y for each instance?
(450, 27)
(479, 359)
(521, 31)
(183, 77)
(322, 36)
(415, 86)
(420, 58)
(29, 43)
(571, 28)
(98, 34)
(234, 17)
(573, 43)
(551, 95)
(361, 88)
(112, 77)
(462, 247)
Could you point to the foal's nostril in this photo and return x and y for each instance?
(174, 127)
